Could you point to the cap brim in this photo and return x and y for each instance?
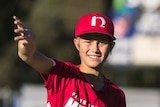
(88, 32)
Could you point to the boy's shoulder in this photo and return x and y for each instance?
(113, 87)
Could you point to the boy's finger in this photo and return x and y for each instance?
(20, 37)
(19, 30)
(18, 22)
(16, 18)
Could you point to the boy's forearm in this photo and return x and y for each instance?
(39, 62)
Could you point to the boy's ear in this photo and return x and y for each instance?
(76, 43)
(112, 45)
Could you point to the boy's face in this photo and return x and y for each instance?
(93, 49)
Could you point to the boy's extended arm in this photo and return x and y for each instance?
(27, 49)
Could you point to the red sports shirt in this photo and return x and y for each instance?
(67, 87)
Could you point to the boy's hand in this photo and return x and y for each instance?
(26, 44)
(27, 49)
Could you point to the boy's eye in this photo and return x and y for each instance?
(87, 41)
(103, 42)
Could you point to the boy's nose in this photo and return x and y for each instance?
(95, 47)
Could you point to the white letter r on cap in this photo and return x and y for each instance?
(93, 22)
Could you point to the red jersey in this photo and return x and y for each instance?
(67, 87)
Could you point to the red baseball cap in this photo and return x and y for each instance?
(95, 23)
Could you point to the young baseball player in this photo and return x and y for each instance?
(70, 85)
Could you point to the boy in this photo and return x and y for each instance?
(70, 85)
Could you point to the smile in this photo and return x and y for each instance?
(94, 56)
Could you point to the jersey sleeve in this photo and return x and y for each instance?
(59, 76)
(121, 99)
(123, 102)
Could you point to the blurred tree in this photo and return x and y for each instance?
(8, 53)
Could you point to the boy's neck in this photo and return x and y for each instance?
(95, 80)
(91, 71)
